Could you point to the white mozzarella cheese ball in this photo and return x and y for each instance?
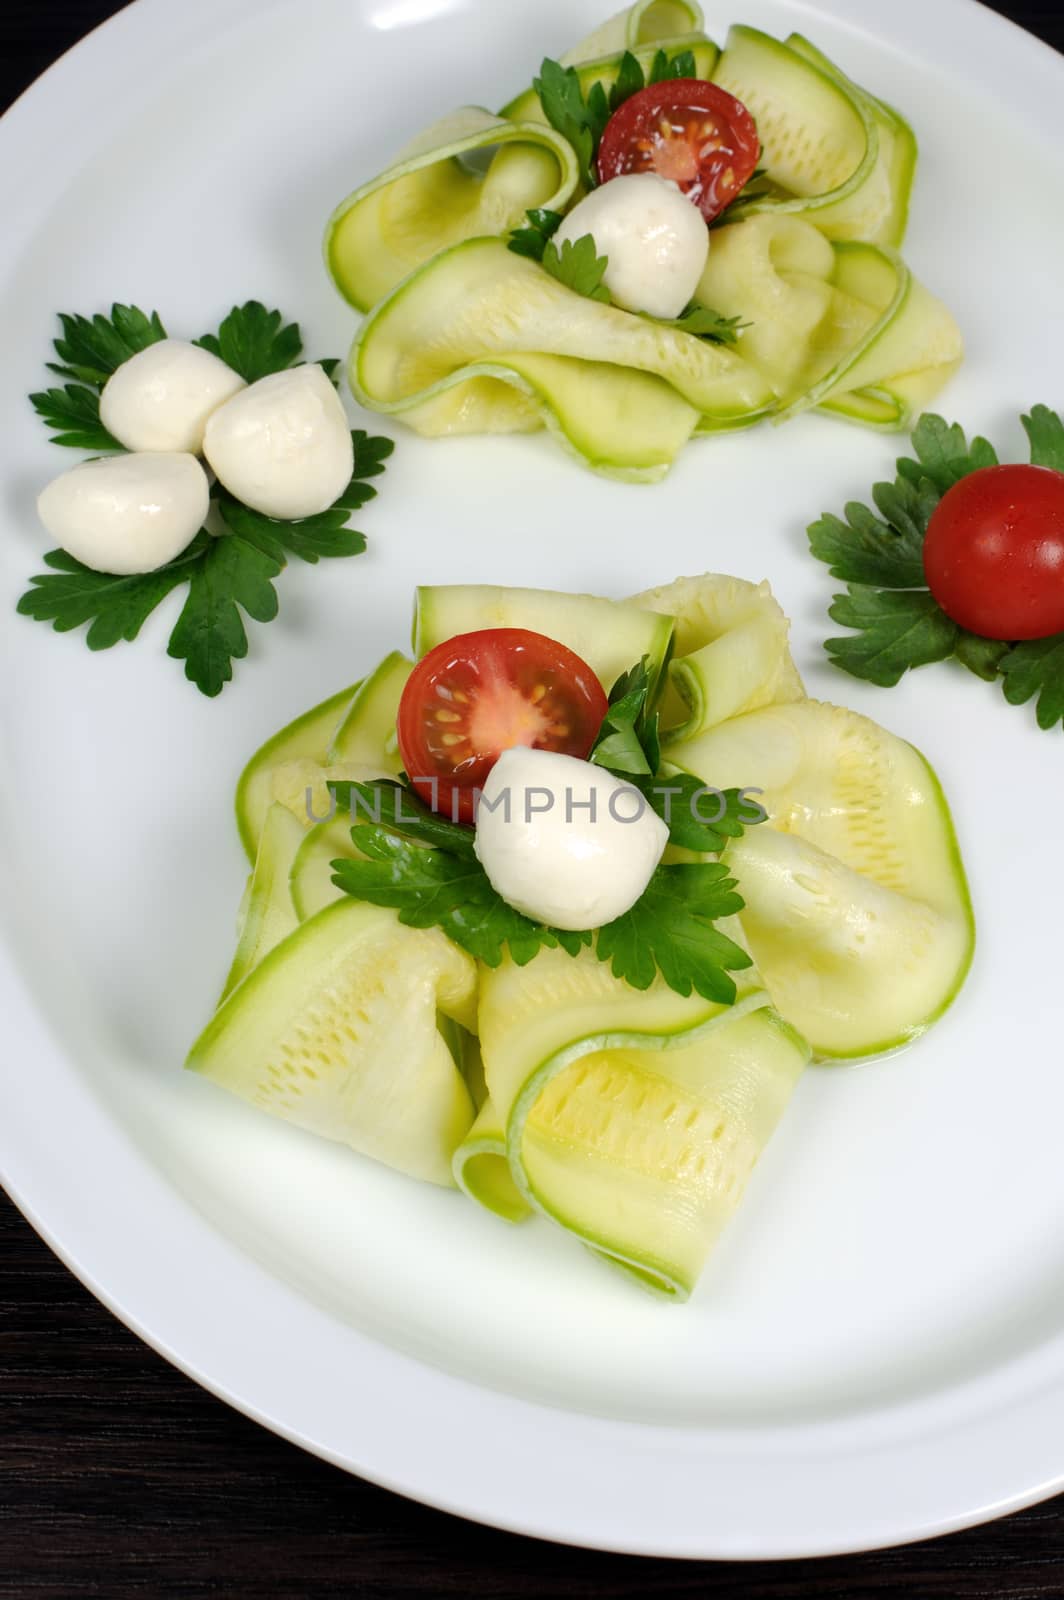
(656, 241)
(565, 841)
(283, 445)
(161, 398)
(126, 514)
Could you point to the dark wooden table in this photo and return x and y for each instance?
(121, 1478)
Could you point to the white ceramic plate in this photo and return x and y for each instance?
(877, 1351)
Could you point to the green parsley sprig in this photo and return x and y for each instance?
(230, 574)
(629, 746)
(582, 118)
(533, 237)
(705, 323)
(897, 623)
(425, 867)
(578, 265)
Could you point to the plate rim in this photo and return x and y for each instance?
(37, 1166)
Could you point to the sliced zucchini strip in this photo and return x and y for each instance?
(864, 215)
(307, 739)
(831, 321)
(337, 1031)
(429, 199)
(828, 926)
(366, 733)
(482, 1170)
(904, 358)
(625, 391)
(648, 22)
(310, 883)
(350, 736)
(861, 969)
(775, 273)
(633, 1119)
(267, 915)
(732, 652)
(819, 140)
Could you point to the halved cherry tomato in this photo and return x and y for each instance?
(479, 694)
(994, 552)
(687, 130)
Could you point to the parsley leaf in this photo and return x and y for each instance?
(210, 635)
(371, 457)
(899, 629)
(237, 570)
(90, 349)
(435, 889)
(705, 323)
(1046, 433)
(664, 67)
(629, 746)
(581, 122)
(865, 549)
(532, 239)
(685, 804)
(579, 266)
(115, 608)
(630, 80)
(1036, 667)
(981, 656)
(255, 342)
(670, 930)
(398, 808)
(327, 533)
(627, 742)
(74, 412)
(943, 454)
(309, 538)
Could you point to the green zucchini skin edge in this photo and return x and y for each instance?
(654, 1273)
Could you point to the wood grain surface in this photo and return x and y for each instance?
(119, 1477)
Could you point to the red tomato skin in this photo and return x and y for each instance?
(480, 693)
(712, 179)
(994, 552)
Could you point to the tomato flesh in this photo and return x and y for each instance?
(994, 552)
(689, 131)
(479, 694)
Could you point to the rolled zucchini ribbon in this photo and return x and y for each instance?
(634, 1120)
(856, 905)
(433, 196)
(464, 337)
(647, 23)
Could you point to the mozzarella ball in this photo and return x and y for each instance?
(160, 398)
(127, 514)
(565, 841)
(656, 241)
(283, 446)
